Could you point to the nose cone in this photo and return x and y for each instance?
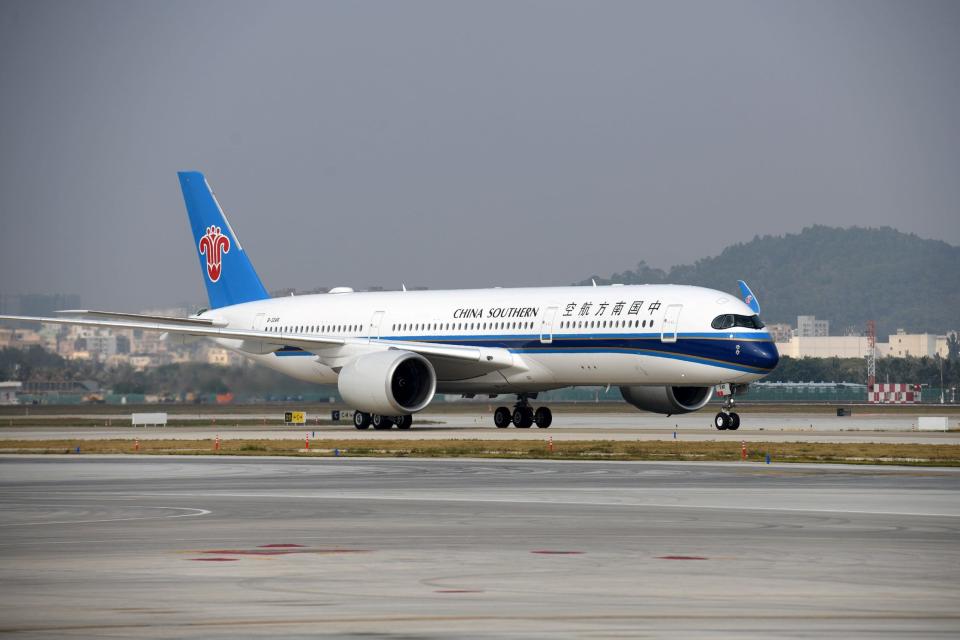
(765, 355)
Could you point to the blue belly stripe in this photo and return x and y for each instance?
(714, 349)
(746, 352)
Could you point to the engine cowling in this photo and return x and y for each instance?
(668, 400)
(388, 383)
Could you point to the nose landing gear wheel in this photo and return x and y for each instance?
(722, 421)
(361, 420)
(734, 421)
(543, 417)
(502, 417)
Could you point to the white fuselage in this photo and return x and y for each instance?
(558, 336)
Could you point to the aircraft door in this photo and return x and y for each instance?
(671, 321)
(259, 321)
(373, 331)
(546, 327)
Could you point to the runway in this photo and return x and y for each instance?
(568, 425)
(253, 547)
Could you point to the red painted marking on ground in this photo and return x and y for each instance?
(214, 559)
(458, 591)
(552, 552)
(681, 558)
(279, 552)
(279, 546)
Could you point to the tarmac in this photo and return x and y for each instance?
(404, 548)
(760, 426)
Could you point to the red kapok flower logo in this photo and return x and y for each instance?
(213, 245)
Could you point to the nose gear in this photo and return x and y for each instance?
(727, 418)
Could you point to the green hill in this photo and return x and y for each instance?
(846, 276)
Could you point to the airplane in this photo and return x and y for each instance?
(667, 347)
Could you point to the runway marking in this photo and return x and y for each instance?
(281, 552)
(681, 558)
(197, 512)
(541, 501)
(551, 552)
(214, 559)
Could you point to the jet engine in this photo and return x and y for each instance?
(668, 400)
(388, 383)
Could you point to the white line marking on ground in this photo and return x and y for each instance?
(198, 512)
(543, 501)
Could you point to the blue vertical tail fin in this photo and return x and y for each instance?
(227, 271)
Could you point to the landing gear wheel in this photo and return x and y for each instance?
(502, 417)
(381, 423)
(402, 422)
(734, 422)
(721, 421)
(523, 417)
(361, 420)
(543, 417)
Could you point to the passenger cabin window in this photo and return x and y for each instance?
(730, 320)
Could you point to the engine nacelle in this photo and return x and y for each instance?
(388, 383)
(668, 400)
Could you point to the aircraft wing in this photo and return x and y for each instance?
(487, 358)
(116, 315)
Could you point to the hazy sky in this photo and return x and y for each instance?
(452, 144)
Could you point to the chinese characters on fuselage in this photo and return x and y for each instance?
(600, 308)
(588, 308)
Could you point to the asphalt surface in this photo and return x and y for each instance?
(187, 547)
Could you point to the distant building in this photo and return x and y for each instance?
(8, 392)
(222, 357)
(101, 344)
(901, 345)
(825, 347)
(41, 387)
(141, 362)
(917, 345)
(810, 327)
(20, 338)
(780, 332)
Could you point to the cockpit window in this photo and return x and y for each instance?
(729, 320)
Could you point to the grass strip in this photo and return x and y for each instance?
(846, 453)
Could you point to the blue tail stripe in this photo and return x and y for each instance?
(227, 272)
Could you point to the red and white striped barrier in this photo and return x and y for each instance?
(894, 393)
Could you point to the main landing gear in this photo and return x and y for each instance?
(363, 420)
(727, 418)
(523, 416)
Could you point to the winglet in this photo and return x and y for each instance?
(748, 296)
